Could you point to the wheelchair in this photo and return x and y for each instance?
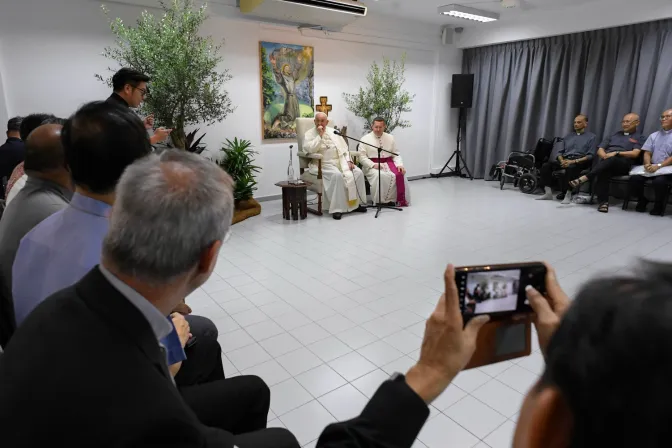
(523, 168)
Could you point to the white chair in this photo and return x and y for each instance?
(303, 125)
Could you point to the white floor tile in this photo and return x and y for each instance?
(234, 340)
(275, 423)
(352, 366)
(404, 341)
(320, 380)
(449, 397)
(291, 320)
(475, 417)
(442, 432)
(501, 437)
(372, 295)
(248, 356)
(299, 361)
(518, 378)
(264, 330)
(309, 334)
(249, 317)
(500, 397)
(307, 421)
(344, 403)
(470, 380)
(336, 323)
(288, 395)
(280, 344)
(270, 371)
(329, 349)
(369, 383)
(357, 337)
(380, 353)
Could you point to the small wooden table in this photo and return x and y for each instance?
(294, 198)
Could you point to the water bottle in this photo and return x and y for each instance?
(290, 168)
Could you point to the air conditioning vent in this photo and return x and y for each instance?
(330, 5)
(327, 14)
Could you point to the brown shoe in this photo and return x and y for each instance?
(183, 309)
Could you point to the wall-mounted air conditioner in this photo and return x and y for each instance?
(330, 15)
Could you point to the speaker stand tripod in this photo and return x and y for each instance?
(457, 154)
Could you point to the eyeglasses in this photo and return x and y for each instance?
(665, 117)
(143, 91)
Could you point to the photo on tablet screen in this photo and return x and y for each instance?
(492, 292)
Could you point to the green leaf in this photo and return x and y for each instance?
(384, 96)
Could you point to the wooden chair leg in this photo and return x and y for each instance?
(317, 212)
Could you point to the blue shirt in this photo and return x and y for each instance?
(58, 252)
(621, 141)
(660, 144)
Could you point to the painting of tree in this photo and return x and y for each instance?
(287, 73)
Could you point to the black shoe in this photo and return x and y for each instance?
(391, 204)
(560, 197)
(337, 216)
(657, 210)
(641, 205)
(360, 209)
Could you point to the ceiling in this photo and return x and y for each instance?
(426, 10)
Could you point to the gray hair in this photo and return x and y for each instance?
(168, 210)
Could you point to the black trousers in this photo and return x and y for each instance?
(604, 170)
(571, 173)
(204, 356)
(660, 185)
(271, 437)
(238, 405)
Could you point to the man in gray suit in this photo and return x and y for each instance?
(48, 189)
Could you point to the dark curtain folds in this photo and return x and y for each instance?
(527, 90)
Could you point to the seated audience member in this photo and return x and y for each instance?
(394, 188)
(616, 155)
(343, 181)
(606, 358)
(657, 154)
(130, 89)
(18, 178)
(102, 336)
(12, 151)
(575, 156)
(116, 314)
(101, 140)
(48, 190)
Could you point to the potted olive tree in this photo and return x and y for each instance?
(186, 86)
(384, 97)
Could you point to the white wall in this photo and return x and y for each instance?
(4, 116)
(564, 20)
(56, 49)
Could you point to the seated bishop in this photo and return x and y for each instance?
(343, 182)
(393, 183)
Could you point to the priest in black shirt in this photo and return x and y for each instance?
(616, 155)
(130, 89)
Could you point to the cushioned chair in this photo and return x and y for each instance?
(303, 125)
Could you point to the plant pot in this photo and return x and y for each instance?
(245, 209)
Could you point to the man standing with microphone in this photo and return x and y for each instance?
(130, 89)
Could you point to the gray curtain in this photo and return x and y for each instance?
(527, 90)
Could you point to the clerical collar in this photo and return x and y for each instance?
(580, 133)
(626, 133)
(668, 131)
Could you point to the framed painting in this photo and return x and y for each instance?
(287, 88)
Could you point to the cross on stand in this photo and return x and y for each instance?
(323, 106)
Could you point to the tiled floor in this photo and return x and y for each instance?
(325, 310)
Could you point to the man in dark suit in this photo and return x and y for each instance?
(12, 152)
(86, 368)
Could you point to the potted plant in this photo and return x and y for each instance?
(237, 159)
(384, 96)
(186, 87)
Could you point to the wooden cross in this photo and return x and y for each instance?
(323, 106)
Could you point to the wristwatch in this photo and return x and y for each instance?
(660, 165)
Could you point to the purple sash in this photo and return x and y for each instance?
(401, 186)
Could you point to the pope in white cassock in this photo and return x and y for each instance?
(343, 181)
(393, 183)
